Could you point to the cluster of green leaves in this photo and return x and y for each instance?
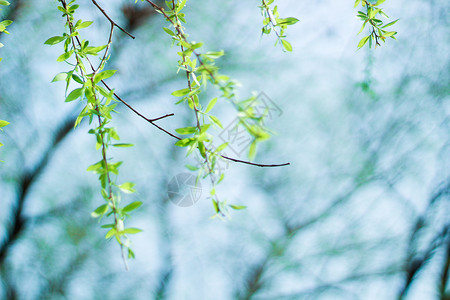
(99, 103)
(377, 32)
(4, 24)
(201, 71)
(272, 21)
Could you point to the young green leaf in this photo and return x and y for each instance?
(186, 130)
(286, 45)
(132, 230)
(60, 77)
(54, 40)
(181, 93)
(211, 105)
(363, 41)
(127, 187)
(238, 207)
(75, 94)
(100, 211)
(132, 206)
(3, 123)
(103, 75)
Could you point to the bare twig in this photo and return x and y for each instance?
(111, 20)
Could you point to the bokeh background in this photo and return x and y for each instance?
(362, 212)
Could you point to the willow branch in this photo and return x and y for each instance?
(111, 20)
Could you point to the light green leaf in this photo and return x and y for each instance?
(103, 75)
(110, 233)
(94, 50)
(132, 206)
(84, 24)
(100, 211)
(192, 168)
(221, 147)
(4, 2)
(186, 130)
(216, 121)
(211, 105)
(170, 32)
(3, 123)
(181, 5)
(75, 94)
(286, 45)
(356, 3)
(123, 145)
(127, 187)
(287, 21)
(54, 40)
(252, 150)
(65, 56)
(181, 93)
(132, 230)
(60, 76)
(185, 142)
(390, 24)
(363, 41)
(238, 207)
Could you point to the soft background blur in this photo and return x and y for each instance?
(361, 213)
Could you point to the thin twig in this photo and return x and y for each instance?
(111, 20)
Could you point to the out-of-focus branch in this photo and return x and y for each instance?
(27, 179)
(415, 260)
(445, 272)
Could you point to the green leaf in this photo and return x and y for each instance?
(181, 5)
(4, 2)
(390, 24)
(64, 56)
(130, 254)
(211, 105)
(390, 33)
(60, 76)
(186, 130)
(216, 121)
(94, 50)
(84, 24)
(363, 41)
(123, 145)
(170, 32)
(286, 45)
(132, 206)
(75, 94)
(132, 230)
(110, 233)
(287, 21)
(379, 2)
(252, 150)
(221, 147)
(103, 75)
(54, 40)
(181, 93)
(192, 168)
(127, 187)
(356, 3)
(100, 211)
(3, 123)
(185, 142)
(238, 207)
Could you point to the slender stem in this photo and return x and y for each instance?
(111, 20)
